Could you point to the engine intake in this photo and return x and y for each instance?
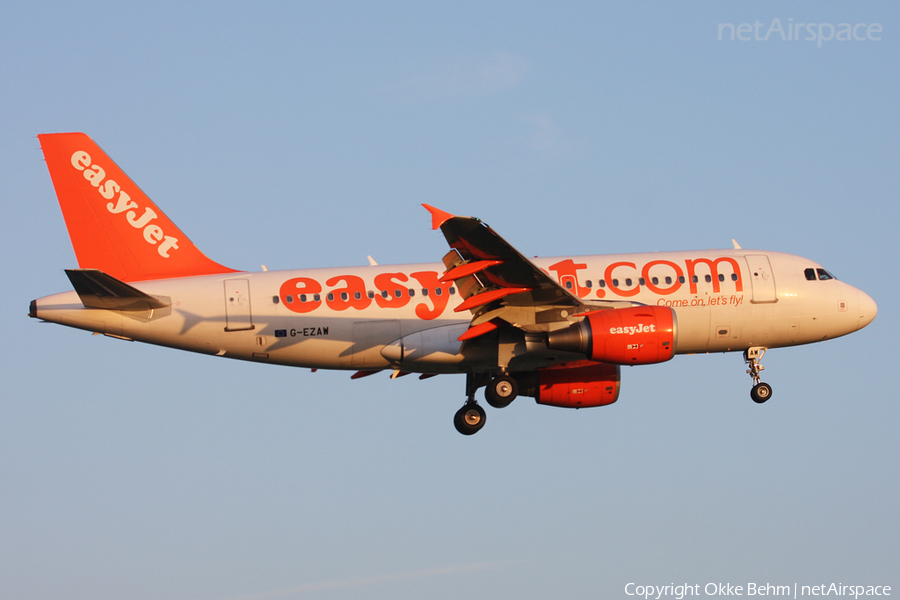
(638, 335)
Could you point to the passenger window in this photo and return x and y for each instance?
(589, 284)
(721, 277)
(602, 283)
(371, 294)
(669, 281)
(412, 292)
(654, 280)
(628, 282)
(424, 291)
(302, 298)
(734, 277)
(681, 279)
(810, 274)
(708, 278)
(694, 278)
(452, 290)
(384, 294)
(398, 293)
(641, 281)
(438, 291)
(317, 297)
(330, 296)
(289, 299)
(274, 299)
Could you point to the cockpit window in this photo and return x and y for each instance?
(820, 274)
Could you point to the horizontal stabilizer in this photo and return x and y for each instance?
(99, 290)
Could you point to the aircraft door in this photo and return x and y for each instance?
(762, 280)
(237, 305)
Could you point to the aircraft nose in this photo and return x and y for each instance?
(867, 310)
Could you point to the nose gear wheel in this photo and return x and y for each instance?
(761, 391)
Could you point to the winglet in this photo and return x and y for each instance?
(438, 217)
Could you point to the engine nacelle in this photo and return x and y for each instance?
(579, 384)
(638, 335)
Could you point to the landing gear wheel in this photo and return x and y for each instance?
(761, 392)
(469, 419)
(501, 391)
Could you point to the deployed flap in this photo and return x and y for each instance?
(500, 286)
(493, 264)
(99, 290)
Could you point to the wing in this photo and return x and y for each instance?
(499, 285)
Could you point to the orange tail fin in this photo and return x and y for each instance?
(113, 225)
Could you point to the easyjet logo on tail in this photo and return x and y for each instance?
(108, 188)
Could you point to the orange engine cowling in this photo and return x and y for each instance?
(579, 384)
(638, 335)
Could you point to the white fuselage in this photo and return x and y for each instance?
(353, 318)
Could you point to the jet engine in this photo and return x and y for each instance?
(638, 335)
(579, 384)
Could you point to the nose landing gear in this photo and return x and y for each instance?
(760, 392)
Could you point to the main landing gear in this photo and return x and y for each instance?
(760, 392)
(499, 392)
(470, 418)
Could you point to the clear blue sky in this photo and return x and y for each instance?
(307, 134)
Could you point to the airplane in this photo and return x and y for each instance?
(554, 329)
